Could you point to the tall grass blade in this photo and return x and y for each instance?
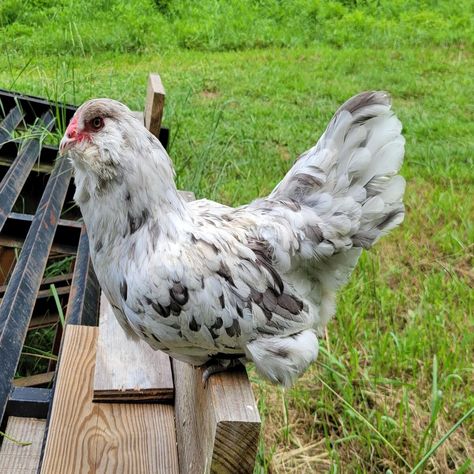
(367, 422)
(54, 292)
(433, 449)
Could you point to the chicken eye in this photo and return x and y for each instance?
(97, 123)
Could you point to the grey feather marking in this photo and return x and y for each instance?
(304, 180)
(211, 245)
(263, 258)
(285, 305)
(193, 325)
(364, 99)
(314, 233)
(291, 303)
(163, 311)
(224, 272)
(269, 300)
(256, 296)
(279, 352)
(124, 289)
(136, 222)
(98, 246)
(175, 308)
(390, 217)
(179, 294)
(218, 323)
(234, 329)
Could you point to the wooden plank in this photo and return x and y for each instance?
(128, 369)
(223, 416)
(17, 459)
(43, 321)
(34, 380)
(87, 437)
(29, 218)
(155, 102)
(7, 262)
(18, 243)
(62, 290)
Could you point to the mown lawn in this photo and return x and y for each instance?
(249, 87)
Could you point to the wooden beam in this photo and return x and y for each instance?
(126, 369)
(155, 101)
(18, 459)
(57, 279)
(34, 380)
(223, 416)
(87, 437)
(7, 262)
(43, 321)
(16, 242)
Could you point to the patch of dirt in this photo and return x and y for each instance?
(210, 94)
(284, 153)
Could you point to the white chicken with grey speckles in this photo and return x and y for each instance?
(211, 284)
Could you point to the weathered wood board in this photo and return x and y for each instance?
(217, 426)
(126, 369)
(154, 104)
(17, 459)
(34, 380)
(87, 437)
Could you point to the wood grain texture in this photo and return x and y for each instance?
(34, 380)
(87, 437)
(128, 370)
(7, 261)
(155, 102)
(16, 459)
(223, 416)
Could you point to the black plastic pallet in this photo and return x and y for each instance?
(24, 120)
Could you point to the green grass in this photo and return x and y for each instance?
(250, 85)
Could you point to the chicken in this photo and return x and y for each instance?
(211, 284)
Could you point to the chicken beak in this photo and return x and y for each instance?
(65, 145)
(69, 138)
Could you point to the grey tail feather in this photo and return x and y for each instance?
(364, 99)
(358, 156)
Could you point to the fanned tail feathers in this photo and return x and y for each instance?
(350, 176)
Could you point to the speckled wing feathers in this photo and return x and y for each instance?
(228, 295)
